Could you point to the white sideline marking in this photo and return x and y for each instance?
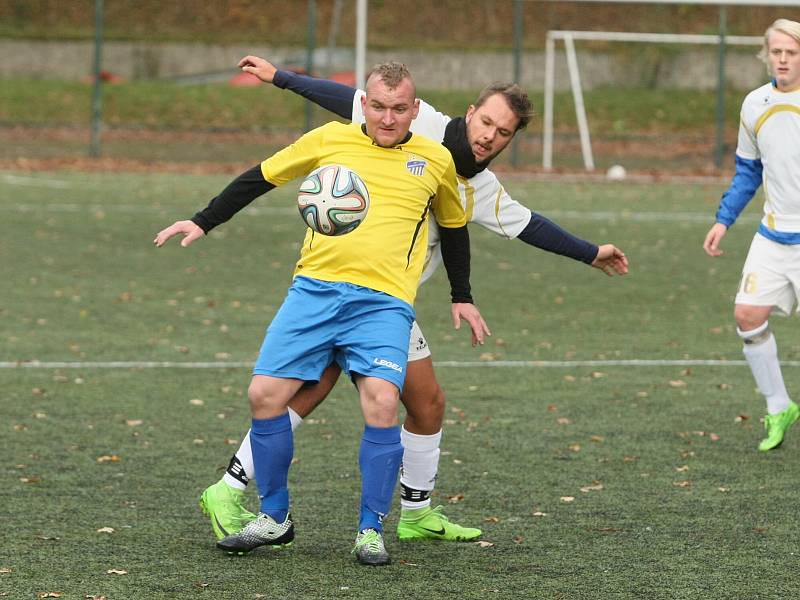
(526, 364)
(36, 181)
(254, 211)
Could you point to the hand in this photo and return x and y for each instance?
(263, 69)
(470, 313)
(189, 230)
(713, 238)
(610, 260)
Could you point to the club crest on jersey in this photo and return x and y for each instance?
(416, 166)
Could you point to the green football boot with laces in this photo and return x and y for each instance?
(776, 426)
(224, 506)
(430, 524)
(370, 549)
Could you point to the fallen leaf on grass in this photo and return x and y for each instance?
(108, 458)
(48, 538)
(455, 499)
(575, 447)
(597, 438)
(49, 594)
(484, 544)
(682, 484)
(196, 402)
(116, 572)
(92, 597)
(563, 421)
(595, 487)
(567, 499)
(629, 459)
(405, 563)
(552, 408)
(20, 427)
(723, 489)
(682, 469)
(31, 479)
(491, 519)
(598, 375)
(676, 383)
(518, 539)
(6, 571)
(106, 530)
(725, 386)
(539, 513)
(741, 418)
(133, 422)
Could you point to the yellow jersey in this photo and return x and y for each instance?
(405, 183)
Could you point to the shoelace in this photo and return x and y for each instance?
(371, 540)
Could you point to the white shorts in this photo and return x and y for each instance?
(771, 276)
(417, 345)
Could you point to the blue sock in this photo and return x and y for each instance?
(379, 461)
(273, 446)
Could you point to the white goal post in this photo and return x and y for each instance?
(569, 37)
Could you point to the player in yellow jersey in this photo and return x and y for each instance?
(359, 288)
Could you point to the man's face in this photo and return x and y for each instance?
(784, 61)
(490, 127)
(388, 112)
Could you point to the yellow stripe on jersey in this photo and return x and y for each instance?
(405, 182)
(469, 196)
(774, 110)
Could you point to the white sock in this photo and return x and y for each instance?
(242, 462)
(761, 352)
(419, 468)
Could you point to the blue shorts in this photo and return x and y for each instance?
(367, 332)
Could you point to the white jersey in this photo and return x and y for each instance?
(770, 131)
(485, 201)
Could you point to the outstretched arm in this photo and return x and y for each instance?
(542, 233)
(239, 193)
(332, 96)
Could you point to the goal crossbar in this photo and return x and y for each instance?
(568, 38)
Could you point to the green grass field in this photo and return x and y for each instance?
(165, 121)
(103, 467)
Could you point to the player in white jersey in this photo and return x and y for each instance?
(768, 154)
(473, 140)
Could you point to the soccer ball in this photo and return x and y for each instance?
(333, 200)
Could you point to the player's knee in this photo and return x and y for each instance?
(260, 396)
(426, 414)
(380, 407)
(749, 318)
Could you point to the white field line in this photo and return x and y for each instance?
(524, 364)
(595, 215)
(35, 181)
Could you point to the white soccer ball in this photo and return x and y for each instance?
(333, 200)
(616, 173)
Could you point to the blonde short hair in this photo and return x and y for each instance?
(790, 28)
(392, 74)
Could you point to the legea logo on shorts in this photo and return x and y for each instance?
(382, 362)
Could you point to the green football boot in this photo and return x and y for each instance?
(777, 425)
(223, 505)
(370, 549)
(430, 524)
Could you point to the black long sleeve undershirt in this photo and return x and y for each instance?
(239, 193)
(456, 259)
(332, 96)
(542, 233)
